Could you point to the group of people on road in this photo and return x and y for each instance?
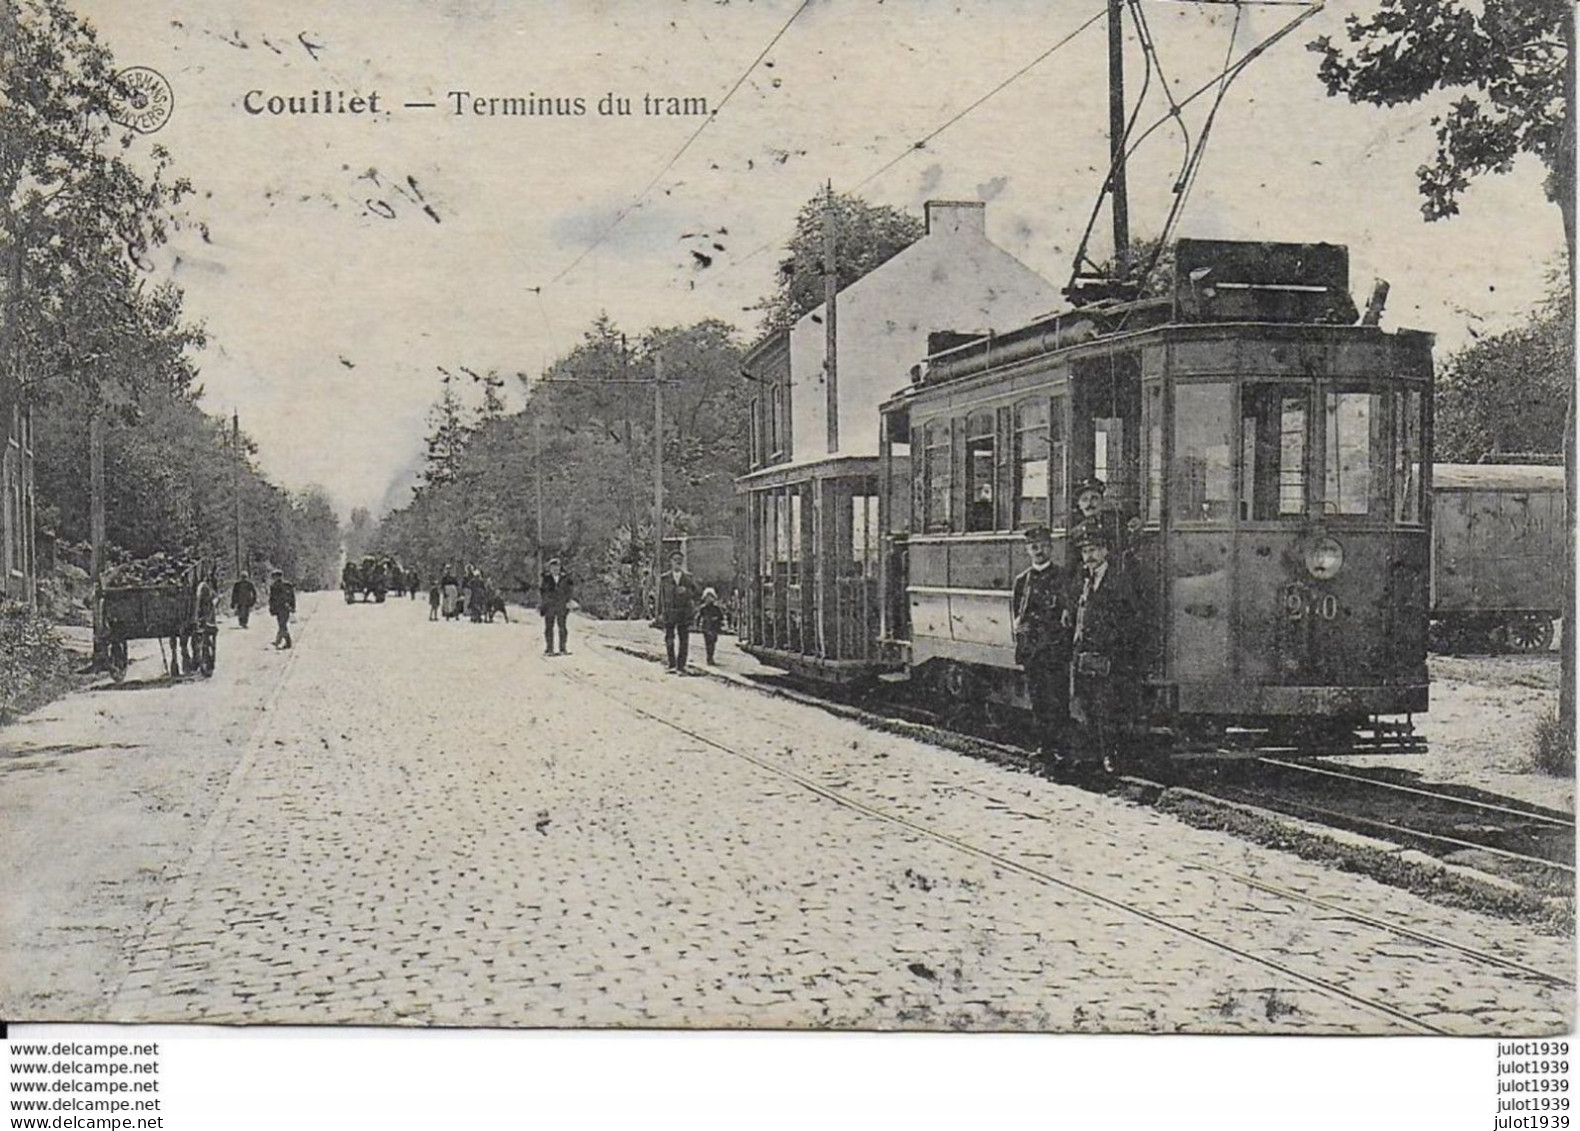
(682, 606)
(244, 597)
(471, 595)
(1076, 633)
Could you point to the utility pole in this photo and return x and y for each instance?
(658, 469)
(96, 491)
(235, 483)
(830, 321)
(537, 480)
(96, 527)
(1116, 130)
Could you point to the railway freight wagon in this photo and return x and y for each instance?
(1270, 454)
(1497, 556)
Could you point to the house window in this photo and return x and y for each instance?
(981, 448)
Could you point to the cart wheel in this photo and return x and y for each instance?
(1529, 632)
(117, 652)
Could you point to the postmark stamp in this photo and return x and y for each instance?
(147, 102)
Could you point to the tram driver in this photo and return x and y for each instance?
(1042, 617)
(1105, 645)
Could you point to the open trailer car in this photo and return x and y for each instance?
(164, 611)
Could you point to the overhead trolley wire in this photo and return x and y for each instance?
(922, 144)
(637, 200)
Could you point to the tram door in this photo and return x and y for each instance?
(1106, 432)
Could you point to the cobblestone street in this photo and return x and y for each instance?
(427, 823)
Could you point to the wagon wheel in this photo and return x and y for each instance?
(1529, 632)
(117, 655)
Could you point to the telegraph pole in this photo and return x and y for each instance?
(830, 322)
(1116, 129)
(658, 467)
(235, 483)
(537, 480)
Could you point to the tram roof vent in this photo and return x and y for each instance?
(1254, 281)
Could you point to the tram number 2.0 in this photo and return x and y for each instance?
(1304, 603)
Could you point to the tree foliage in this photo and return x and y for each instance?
(80, 211)
(1506, 57)
(1507, 394)
(584, 441)
(865, 236)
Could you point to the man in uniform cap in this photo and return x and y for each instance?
(1107, 623)
(1041, 619)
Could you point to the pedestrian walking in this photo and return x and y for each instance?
(414, 584)
(243, 596)
(205, 624)
(282, 603)
(433, 601)
(1041, 619)
(1107, 621)
(710, 622)
(677, 603)
(476, 595)
(554, 602)
(450, 594)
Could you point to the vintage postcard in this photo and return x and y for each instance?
(815, 516)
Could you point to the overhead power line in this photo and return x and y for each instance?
(637, 200)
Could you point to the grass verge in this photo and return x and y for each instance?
(35, 666)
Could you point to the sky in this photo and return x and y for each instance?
(349, 256)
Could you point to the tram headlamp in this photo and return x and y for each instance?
(1324, 558)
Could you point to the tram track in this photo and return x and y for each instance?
(1430, 817)
(838, 795)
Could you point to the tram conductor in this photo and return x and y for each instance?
(1041, 619)
(1104, 646)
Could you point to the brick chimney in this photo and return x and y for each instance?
(956, 217)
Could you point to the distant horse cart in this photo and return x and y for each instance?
(165, 611)
(1497, 556)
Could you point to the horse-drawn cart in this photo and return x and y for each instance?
(165, 612)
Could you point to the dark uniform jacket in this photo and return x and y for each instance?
(1038, 603)
(677, 600)
(1108, 618)
(710, 619)
(555, 596)
(282, 598)
(243, 594)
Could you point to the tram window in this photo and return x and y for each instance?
(1154, 458)
(864, 534)
(795, 537)
(1031, 463)
(1201, 483)
(1407, 457)
(936, 456)
(1351, 483)
(979, 471)
(1274, 423)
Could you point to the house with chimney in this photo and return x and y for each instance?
(814, 520)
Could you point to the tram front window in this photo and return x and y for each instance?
(1201, 491)
(1354, 471)
(1273, 427)
(1407, 485)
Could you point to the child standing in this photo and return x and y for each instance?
(710, 620)
(433, 601)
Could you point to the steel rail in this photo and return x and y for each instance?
(1330, 989)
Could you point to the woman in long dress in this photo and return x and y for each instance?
(449, 594)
